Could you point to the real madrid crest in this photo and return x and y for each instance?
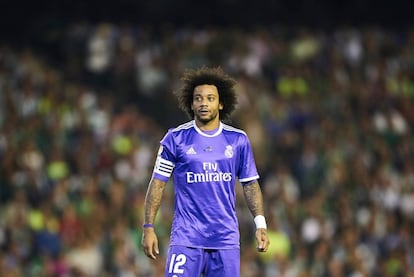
(229, 151)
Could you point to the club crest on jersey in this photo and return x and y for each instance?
(229, 151)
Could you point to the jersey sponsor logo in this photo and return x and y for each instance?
(206, 176)
(210, 174)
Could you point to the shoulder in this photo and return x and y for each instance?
(175, 136)
(182, 129)
(185, 126)
(238, 136)
(231, 129)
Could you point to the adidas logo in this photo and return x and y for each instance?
(191, 151)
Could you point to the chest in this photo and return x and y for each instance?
(212, 149)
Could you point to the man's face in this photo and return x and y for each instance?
(206, 103)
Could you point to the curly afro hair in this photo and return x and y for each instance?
(207, 76)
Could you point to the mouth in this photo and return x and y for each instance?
(203, 112)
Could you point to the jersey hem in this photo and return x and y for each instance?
(206, 247)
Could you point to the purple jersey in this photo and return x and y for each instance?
(205, 168)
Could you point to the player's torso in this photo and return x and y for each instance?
(202, 159)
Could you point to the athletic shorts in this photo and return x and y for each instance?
(194, 262)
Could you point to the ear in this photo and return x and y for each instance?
(221, 106)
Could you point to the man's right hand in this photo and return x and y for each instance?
(150, 243)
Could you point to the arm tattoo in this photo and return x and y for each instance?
(153, 200)
(254, 198)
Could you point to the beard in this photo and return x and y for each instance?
(206, 119)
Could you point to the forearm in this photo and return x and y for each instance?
(254, 198)
(153, 200)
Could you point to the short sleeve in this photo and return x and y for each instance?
(165, 161)
(247, 167)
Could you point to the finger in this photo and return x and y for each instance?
(261, 247)
(150, 254)
(156, 249)
(262, 243)
(264, 248)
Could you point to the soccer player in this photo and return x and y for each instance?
(205, 157)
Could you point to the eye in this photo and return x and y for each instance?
(197, 98)
(211, 98)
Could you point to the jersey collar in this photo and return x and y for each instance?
(220, 128)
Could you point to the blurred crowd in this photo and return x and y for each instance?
(330, 115)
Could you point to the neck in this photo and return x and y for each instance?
(207, 126)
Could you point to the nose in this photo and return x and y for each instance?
(204, 102)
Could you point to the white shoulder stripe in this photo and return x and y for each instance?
(233, 129)
(183, 126)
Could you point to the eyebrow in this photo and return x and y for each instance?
(211, 94)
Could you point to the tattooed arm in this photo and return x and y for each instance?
(254, 199)
(151, 206)
(153, 200)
